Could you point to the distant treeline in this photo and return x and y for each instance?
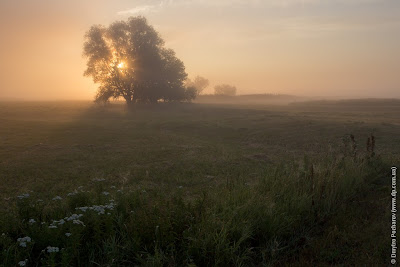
(351, 102)
(250, 98)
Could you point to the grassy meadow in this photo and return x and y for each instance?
(196, 184)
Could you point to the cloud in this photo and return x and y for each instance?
(233, 3)
(186, 3)
(140, 10)
(236, 3)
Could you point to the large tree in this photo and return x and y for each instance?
(128, 59)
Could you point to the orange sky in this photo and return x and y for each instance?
(344, 48)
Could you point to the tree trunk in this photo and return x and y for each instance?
(129, 101)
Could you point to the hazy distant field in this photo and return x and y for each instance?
(48, 149)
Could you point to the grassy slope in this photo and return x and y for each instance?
(51, 148)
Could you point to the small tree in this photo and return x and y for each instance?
(128, 59)
(190, 93)
(200, 83)
(225, 89)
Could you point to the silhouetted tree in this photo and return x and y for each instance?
(225, 89)
(190, 93)
(200, 83)
(128, 59)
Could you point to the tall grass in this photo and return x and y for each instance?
(235, 224)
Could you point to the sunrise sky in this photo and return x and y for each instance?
(340, 48)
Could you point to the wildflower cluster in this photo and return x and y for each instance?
(23, 240)
(74, 218)
(100, 209)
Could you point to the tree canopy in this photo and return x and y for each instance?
(128, 59)
(199, 83)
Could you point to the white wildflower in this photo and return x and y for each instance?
(32, 221)
(52, 226)
(23, 263)
(82, 209)
(72, 193)
(73, 217)
(23, 196)
(52, 249)
(57, 198)
(68, 234)
(99, 209)
(78, 222)
(105, 193)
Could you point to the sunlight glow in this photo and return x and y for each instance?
(338, 48)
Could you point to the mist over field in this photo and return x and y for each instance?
(199, 133)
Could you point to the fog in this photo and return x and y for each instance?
(304, 48)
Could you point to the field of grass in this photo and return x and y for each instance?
(195, 184)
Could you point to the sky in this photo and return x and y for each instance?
(327, 48)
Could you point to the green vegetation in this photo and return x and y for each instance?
(191, 184)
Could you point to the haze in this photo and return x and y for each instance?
(338, 48)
